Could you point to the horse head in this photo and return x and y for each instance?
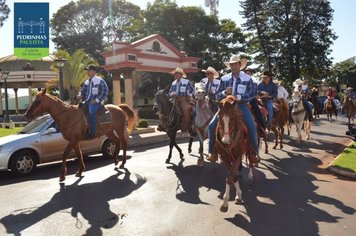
(161, 102)
(228, 117)
(296, 98)
(39, 106)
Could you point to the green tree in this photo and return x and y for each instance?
(345, 72)
(298, 34)
(74, 74)
(4, 12)
(92, 25)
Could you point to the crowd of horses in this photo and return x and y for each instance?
(231, 136)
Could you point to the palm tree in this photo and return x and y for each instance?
(73, 71)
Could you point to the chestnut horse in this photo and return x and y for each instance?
(231, 142)
(73, 125)
(350, 108)
(280, 119)
(330, 108)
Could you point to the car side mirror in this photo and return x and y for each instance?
(50, 131)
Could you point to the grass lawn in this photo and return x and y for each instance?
(5, 132)
(347, 159)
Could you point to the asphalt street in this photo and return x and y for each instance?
(292, 194)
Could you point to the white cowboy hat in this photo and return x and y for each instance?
(236, 58)
(178, 70)
(297, 83)
(212, 70)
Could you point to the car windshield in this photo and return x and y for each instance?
(35, 125)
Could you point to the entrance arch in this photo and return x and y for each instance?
(150, 54)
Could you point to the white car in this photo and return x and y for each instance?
(39, 142)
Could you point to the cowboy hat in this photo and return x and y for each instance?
(178, 70)
(349, 88)
(297, 83)
(212, 70)
(236, 58)
(91, 67)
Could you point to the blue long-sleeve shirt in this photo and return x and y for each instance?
(94, 88)
(244, 89)
(183, 87)
(271, 88)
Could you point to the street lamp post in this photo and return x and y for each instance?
(4, 75)
(60, 63)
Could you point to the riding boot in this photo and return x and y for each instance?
(213, 157)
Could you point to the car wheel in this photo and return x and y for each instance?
(108, 149)
(23, 162)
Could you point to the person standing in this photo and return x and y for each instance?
(93, 93)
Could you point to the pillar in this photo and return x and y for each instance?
(1, 109)
(116, 87)
(128, 86)
(16, 101)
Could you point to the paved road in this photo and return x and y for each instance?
(292, 194)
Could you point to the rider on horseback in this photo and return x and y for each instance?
(302, 87)
(330, 96)
(268, 92)
(210, 85)
(181, 92)
(241, 85)
(93, 93)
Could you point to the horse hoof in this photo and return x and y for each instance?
(78, 175)
(266, 152)
(122, 166)
(168, 161)
(116, 162)
(281, 146)
(238, 201)
(224, 208)
(200, 163)
(61, 179)
(274, 147)
(189, 150)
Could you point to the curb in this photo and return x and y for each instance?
(339, 171)
(138, 140)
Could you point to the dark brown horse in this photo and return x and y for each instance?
(231, 143)
(330, 108)
(73, 125)
(318, 108)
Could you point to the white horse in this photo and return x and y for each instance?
(298, 115)
(203, 116)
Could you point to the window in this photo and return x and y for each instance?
(131, 57)
(194, 64)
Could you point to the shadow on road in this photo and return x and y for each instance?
(91, 201)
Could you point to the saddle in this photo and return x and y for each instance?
(103, 115)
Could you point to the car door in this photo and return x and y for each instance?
(52, 144)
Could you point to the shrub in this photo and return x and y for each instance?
(142, 123)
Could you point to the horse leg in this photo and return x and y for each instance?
(190, 145)
(238, 198)
(276, 136)
(121, 139)
(117, 142)
(201, 150)
(78, 151)
(264, 136)
(171, 142)
(225, 204)
(63, 171)
(181, 155)
(281, 134)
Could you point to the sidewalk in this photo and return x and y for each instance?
(140, 139)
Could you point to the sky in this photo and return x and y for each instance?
(344, 22)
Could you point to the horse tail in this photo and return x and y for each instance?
(130, 116)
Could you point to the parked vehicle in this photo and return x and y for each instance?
(41, 141)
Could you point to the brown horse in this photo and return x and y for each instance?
(318, 108)
(350, 109)
(330, 108)
(231, 143)
(280, 119)
(73, 125)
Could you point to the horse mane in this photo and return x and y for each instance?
(59, 100)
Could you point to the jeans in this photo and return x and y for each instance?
(307, 108)
(249, 121)
(269, 106)
(92, 109)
